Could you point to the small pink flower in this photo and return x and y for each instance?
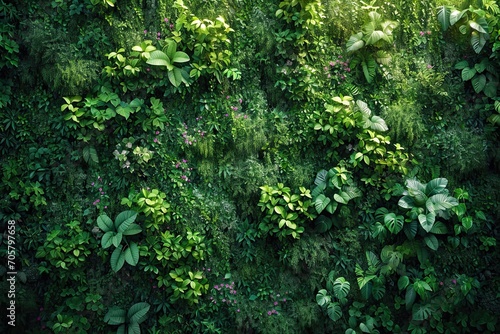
(422, 33)
(166, 20)
(155, 140)
(145, 31)
(428, 32)
(227, 97)
(454, 281)
(240, 101)
(441, 283)
(238, 310)
(157, 132)
(275, 303)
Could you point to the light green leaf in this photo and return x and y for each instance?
(436, 186)
(132, 229)
(107, 239)
(341, 287)
(124, 219)
(321, 202)
(322, 298)
(427, 221)
(355, 42)
(180, 57)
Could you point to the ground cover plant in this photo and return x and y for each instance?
(236, 166)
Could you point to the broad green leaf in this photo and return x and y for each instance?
(468, 73)
(377, 123)
(436, 186)
(467, 222)
(478, 83)
(490, 89)
(341, 199)
(476, 26)
(406, 202)
(321, 202)
(456, 15)
(124, 219)
(383, 57)
(355, 42)
(159, 58)
(323, 224)
(133, 328)
(366, 290)
(432, 242)
(461, 65)
(105, 223)
(443, 201)
(321, 178)
(403, 282)
(322, 298)
(137, 312)
(334, 311)
(421, 312)
(131, 254)
(132, 229)
(427, 221)
(478, 41)
(107, 239)
(443, 16)
(280, 210)
(439, 228)
(394, 223)
(341, 287)
(115, 316)
(117, 259)
(117, 239)
(180, 57)
(410, 297)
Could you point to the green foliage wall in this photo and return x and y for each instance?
(251, 166)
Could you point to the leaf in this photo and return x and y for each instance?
(461, 65)
(124, 219)
(377, 123)
(340, 199)
(280, 210)
(436, 186)
(421, 312)
(468, 73)
(467, 222)
(159, 58)
(107, 239)
(117, 239)
(137, 312)
(132, 229)
(443, 201)
(427, 221)
(131, 254)
(456, 15)
(355, 42)
(403, 282)
(180, 57)
(322, 297)
(478, 41)
(479, 82)
(321, 177)
(105, 223)
(369, 66)
(410, 297)
(439, 228)
(476, 26)
(133, 328)
(341, 287)
(383, 57)
(175, 77)
(406, 202)
(117, 259)
(432, 242)
(323, 224)
(443, 16)
(115, 316)
(394, 223)
(321, 202)
(334, 311)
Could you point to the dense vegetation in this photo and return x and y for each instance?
(251, 166)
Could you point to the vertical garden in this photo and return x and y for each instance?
(237, 166)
